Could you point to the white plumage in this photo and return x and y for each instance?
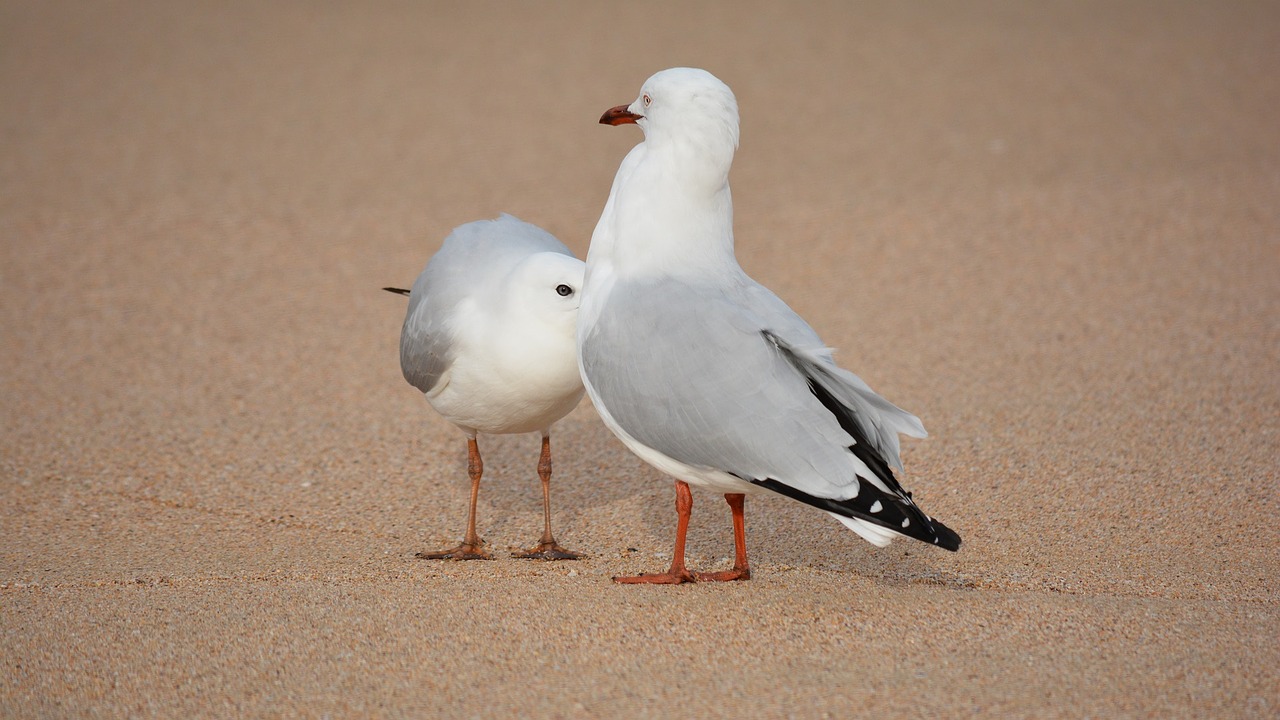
(488, 338)
(703, 372)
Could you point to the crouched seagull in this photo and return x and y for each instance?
(703, 372)
(489, 339)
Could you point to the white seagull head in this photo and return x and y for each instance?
(545, 290)
(681, 107)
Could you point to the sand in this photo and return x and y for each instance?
(1050, 230)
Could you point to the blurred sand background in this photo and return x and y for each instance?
(1052, 230)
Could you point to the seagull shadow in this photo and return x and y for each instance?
(595, 471)
(509, 510)
(607, 503)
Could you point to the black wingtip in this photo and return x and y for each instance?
(945, 537)
(873, 506)
(396, 290)
(894, 510)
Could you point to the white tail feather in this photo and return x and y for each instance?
(872, 533)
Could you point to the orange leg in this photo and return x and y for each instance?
(677, 574)
(740, 569)
(472, 546)
(548, 548)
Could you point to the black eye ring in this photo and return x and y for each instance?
(564, 290)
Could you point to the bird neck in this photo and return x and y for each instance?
(695, 160)
(670, 214)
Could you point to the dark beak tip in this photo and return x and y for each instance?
(618, 116)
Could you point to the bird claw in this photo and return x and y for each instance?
(677, 576)
(464, 551)
(671, 577)
(547, 551)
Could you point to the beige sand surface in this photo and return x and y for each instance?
(1051, 230)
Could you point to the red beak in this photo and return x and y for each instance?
(619, 116)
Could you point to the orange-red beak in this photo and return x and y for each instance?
(619, 116)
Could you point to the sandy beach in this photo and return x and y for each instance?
(1050, 230)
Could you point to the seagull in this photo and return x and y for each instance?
(489, 339)
(703, 372)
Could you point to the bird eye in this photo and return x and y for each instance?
(647, 99)
(564, 290)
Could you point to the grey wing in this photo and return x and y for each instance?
(721, 389)
(426, 338)
(712, 391)
(718, 389)
(879, 421)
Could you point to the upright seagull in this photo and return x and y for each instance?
(488, 338)
(703, 372)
